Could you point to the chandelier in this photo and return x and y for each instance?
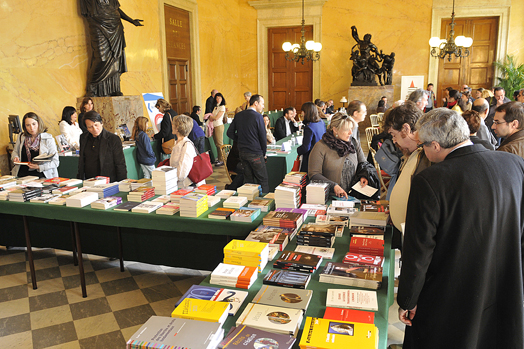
(459, 46)
(309, 50)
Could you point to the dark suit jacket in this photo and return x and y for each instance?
(280, 128)
(166, 129)
(111, 156)
(209, 105)
(249, 131)
(483, 142)
(462, 255)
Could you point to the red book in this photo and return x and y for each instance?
(351, 315)
(366, 246)
(355, 258)
(56, 180)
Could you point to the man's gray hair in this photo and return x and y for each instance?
(417, 95)
(247, 94)
(444, 126)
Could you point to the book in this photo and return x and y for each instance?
(221, 213)
(168, 332)
(235, 202)
(263, 204)
(105, 203)
(279, 240)
(351, 275)
(234, 275)
(168, 209)
(224, 194)
(212, 200)
(360, 229)
(270, 318)
(147, 207)
(235, 298)
(366, 246)
(283, 297)
(81, 199)
(356, 259)
(352, 299)
(245, 337)
(45, 198)
(369, 218)
(332, 334)
(324, 252)
(126, 206)
(202, 310)
(314, 210)
(292, 259)
(351, 315)
(245, 214)
(291, 232)
(56, 180)
(247, 248)
(286, 278)
(65, 190)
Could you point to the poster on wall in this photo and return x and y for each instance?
(409, 84)
(154, 114)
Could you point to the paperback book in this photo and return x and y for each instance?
(202, 310)
(286, 278)
(332, 334)
(270, 318)
(235, 298)
(283, 297)
(352, 299)
(245, 337)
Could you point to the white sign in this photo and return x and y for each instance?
(409, 84)
(155, 116)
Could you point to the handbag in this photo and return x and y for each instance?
(201, 167)
(167, 146)
(388, 158)
(296, 164)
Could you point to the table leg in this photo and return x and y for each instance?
(30, 253)
(120, 249)
(80, 261)
(73, 240)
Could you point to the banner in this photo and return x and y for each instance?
(154, 114)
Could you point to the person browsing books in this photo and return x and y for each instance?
(144, 152)
(184, 150)
(34, 141)
(313, 132)
(101, 151)
(69, 127)
(165, 134)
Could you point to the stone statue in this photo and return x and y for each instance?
(366, 58)
(106, 31)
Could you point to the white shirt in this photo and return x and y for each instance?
(182, 158)
(71, 132)
(216, 111)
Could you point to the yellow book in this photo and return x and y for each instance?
(201, 309)
(246, 248)
(333, 334)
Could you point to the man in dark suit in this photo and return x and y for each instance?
(101, 151)
(249, 131)
(286, 124)
(461, 282)
(209, 102)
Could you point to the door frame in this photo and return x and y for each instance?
(195, 74)
(485, 11)
(289, 15)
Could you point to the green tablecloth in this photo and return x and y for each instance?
(280, 164)
(273, 116)
(317, 305)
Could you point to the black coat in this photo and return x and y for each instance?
(209, 104)
(462, 256)
(111, 156)
(280, 128)
(166, 128)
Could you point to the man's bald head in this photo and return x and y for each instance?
(481, 105)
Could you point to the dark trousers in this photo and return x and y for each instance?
(200, 144)
(255, 169)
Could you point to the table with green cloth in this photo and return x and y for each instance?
(278, 165)
(317, 306)
(150, 238)
(273, 116)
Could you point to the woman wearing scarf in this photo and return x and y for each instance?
(338, 159)
(31, 143)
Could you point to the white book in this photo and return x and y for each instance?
(147, 207)
(230, 272)
(340, 203)
(369, 218)
(224, 194)
(212, 200)
(352, 299)
(271, 318)
(162, 198)
(71, 182)
(324, 252)
(57, 201)
(81, 199)
(45, 198)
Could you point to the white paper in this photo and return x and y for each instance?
(367, 190)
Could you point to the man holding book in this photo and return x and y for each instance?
(461, 283)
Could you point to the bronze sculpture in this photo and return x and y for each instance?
(366, 58)
(106, 33)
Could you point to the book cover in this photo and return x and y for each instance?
(331, 334)
(355, 258)
(283, 297)
(234, 272)
(351, 315)
(249, 337)
(126, 206)
(272, 238)
(270, 318)
(245, 247)
(324, 252)
(352, 275)
(360, 229)
(286, 278)
(352, 299)
(202, 310)
(235, 298)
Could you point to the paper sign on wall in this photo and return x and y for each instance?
(154, 114)
(409, 84)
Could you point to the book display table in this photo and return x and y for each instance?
(317, 306)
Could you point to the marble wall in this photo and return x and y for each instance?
(370, 95)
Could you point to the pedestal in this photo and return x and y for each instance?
(116, 111)
(370, 95)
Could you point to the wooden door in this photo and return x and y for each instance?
(178, 44)
(290, 83)
(476, 70)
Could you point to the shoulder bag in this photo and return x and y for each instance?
(167, 146)
(202, 167)
(388, 157)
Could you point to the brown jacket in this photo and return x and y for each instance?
(514, 144)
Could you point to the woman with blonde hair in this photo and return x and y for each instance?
(338, 159)
(144, 152)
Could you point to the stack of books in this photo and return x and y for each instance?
(143, 182)
(279, 320)
(247, 253)
(299, 178)
(283, 297)
(367, 231)
(147, 207)
(125, 185)
(25, 194)
(341, 208)
(287, 278)
(165, 180)
(272, 237)
(288, 195)
(45, 198)
(359, 259)
(169, 209)
(352, 299)
(366, 246)
(81, 199)
(162, 198)
(126, 206)
(212, 200)
(176, 195)
(368, 218)
(235, 298)
(341, 334)
(98, 180)
(271, 230)
(224, 194)
(317, 193)
(193, 205)
(364, 276)
(264, 204)
(314, 210)
(201, 310)
(352, 315)
(141, 194)
(261, 339)
(168, 332)
(374, 206)
(321, 235)
(206, 189)
(105, 190)
(71, 182)
(283, 219)
(230, 275)
(105, 203)
(324, 252)
(342, 221)
(245, 214)
(26, 179)
(250, 191)
(297, 261)
(7, 182)
(55, 180)
(221, 213)
(235, 202)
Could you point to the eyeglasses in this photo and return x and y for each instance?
(423, 144)
(499, 122)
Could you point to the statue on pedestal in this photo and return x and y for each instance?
(366, 58)
(106, 32)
